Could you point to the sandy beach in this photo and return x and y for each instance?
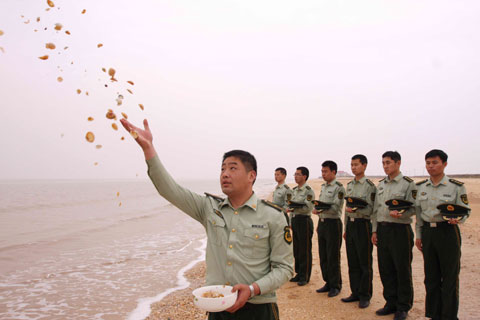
(304, 303)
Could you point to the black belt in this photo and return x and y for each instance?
(300, 216)
(392, 224)
(350, 219)
(436, 224)
(324, 219)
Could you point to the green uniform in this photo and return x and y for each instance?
(358, 229)
(302, 228)
(245, 245)
(441, 243)
(395, 242)
(329, 232)
(281, 195)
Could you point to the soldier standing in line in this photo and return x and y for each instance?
(438, 236)
(248, 244)
(329, 229)
(282, 192)
(393, 236)
(360, 198)
(302, 226)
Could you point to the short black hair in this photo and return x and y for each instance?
(331, 165)
(245, 157)
(394, 155)
(437, 153)
(304, 171)
(361, 157)
(282, 171)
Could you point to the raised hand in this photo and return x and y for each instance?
(143, 137)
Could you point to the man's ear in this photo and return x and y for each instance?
(252, 176)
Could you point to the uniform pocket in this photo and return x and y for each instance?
(257, 242)
(423, 200)
(216, 231)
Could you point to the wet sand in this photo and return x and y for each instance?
(302, 303)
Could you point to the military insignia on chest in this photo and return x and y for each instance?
(258, 226)
(464, 198)
(287, 235)
(423, 193)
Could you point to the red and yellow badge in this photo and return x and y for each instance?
(450, 208)
(287, 235)
(395, 202)
(349, 199)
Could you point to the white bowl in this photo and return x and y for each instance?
(215, 304)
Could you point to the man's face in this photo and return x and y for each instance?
(299, 177)
(234, 177)
(357, 167)
(390, 166)
(327, 174)
(435, 166)
(279, 177)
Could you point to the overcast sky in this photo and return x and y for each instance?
(295, 83)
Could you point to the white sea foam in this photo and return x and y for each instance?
(143, 308)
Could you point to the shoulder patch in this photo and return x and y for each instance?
(421, 182)
(308, 188)
(287, 236)
(351, 181)
(294, 188)
(339, 183)
(458, 183)
(286, 187)
(217, 198)
(273, 205)
(408, 179)
(382, 179)
(370, 182)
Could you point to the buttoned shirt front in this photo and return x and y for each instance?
(363, 189)
(244, 245)
(429, 196)
(333, 193)
(303, 194)
(400, 187)
(281, 195)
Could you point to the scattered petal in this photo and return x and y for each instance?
(83, 11)
(124, 115)
(114, 126)
(38, 19)
(67, 32)
(27, 22)
(58, 26)
(122, 138)
(98, 146)
(65, 48)
(79, 91)
(99, 45)
(104, 70)
(120, 204)
(111, 72)
(1, 33)
(111, 115)
(45, 57)
(47, 9)
(1, 49)
(86, 93)
(90, 118)
(50, 3)
(59, 79)
(141, 106)
(118, 194)
(130, 91)
(95, 163)
(90, 137)
(131, 82)
(50, 46)
(134, 134)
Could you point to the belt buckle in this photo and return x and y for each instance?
(321, 219)
(433, 224)
(352, 219)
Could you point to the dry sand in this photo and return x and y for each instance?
(299, 303)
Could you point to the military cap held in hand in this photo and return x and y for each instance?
(356, 203)
(398, 204)
(320, 206)
(295, 205)
(452, 211)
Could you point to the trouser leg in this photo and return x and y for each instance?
(402, 245)
(333, 244)
(386, 267)
(265, 311)
(364, 250)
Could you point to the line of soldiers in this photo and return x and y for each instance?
(380, 215)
